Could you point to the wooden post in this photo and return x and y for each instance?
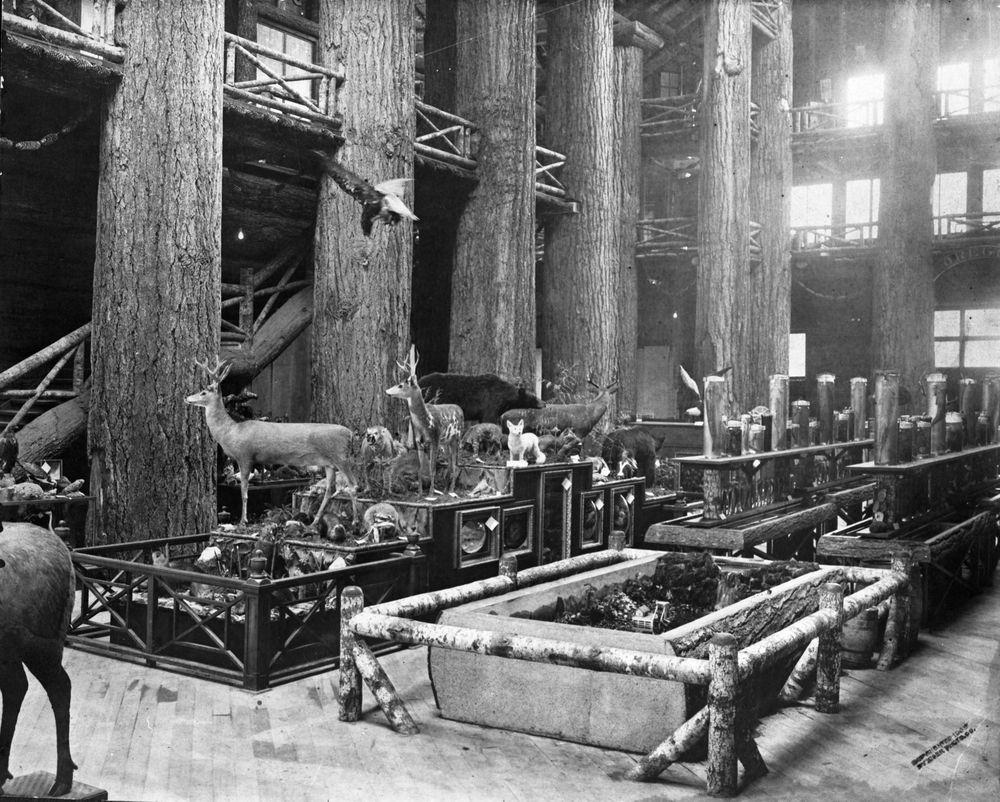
(886, 415)
(967, 406)
(650, 766)
(936, 386)
(382, 689)
(256, 667)
(418, 564)
(246, 304)
(352, 601)
(508, 567)
(898, 623)
(831, 597)
(859, 406)
(617, 541)
(778, 402)
(993, 380)
(804, 669)
(824, 392)
(722, 691)
(800, 414)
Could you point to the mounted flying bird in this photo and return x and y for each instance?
(382, 201)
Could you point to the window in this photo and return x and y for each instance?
(967, 338)
(298, 47)
(670, 84)
(864, 100)
(948, 203)
(991, 195)
(797, 354)
(991, 84)
(953, 89)
(861, 208)
(812, 205)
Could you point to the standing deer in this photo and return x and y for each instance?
(256, 441)
(434, 425)
(581, 418)
(37, 589)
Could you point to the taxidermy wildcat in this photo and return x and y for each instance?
(523, 445)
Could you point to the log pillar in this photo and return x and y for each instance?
(903, 274)
(831, 598)
(723, 199)
(493, 282)
(361, 286)
(767, 299)
(721, 770)
(157, 275)
(352, 602)
(632, 40)
(580, 271)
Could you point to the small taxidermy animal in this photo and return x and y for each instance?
(383, 201)
(523, 445)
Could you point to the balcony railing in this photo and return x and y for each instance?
(445, 136)
(677, 236)
(53, 27)
(678, 115)
(308, 91)
(548, 166)
(864, 235)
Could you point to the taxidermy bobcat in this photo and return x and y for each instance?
(523, 445)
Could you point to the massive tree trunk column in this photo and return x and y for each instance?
(723, 194)
(493, 284)
(157, 274)
(580, 272)
(631, 39)
(361, 316)
(903, 277)
(768, 309)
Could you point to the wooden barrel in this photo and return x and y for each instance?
(860, 639)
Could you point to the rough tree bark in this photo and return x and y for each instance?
(723, 194)
(361, 311)
(493, 283)
(767, 311)
(903, 274)
(628, 55)
(580, 271)
(157, 274)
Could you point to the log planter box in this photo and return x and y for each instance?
(253, 633)
(491, 665)
(260, 495)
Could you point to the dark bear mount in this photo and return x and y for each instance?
(483, 397)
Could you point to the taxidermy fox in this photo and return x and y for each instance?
(523, 445)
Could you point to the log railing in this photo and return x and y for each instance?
(863, 235)
(444, 137)
(71, 346)
(673, 116)
(548, 165)
(55, 28)
(310, 91)
(677, 236)
(727, 671)
(823, 116)
(763, 17)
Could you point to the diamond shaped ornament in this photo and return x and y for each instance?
(492, 523)
(630, 498)
(567, 483)
(46, 467)
(599, 503)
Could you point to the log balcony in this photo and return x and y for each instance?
(949, 230)
(674, 237)
(677, 118)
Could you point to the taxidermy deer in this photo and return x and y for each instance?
(523, 445)
(434, 425)
(383, 201)
(266, 442)
(581, 418)
(37, 589)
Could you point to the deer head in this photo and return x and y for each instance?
(216, 376)
(408, 386)
(604, 393)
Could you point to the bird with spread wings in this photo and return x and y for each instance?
(382, 201)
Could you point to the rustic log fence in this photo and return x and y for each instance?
(57, 29)
(659, 237)
(726, 672)
(666, 117)
(857, 236)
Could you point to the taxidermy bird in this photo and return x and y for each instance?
(383, 201)
(8, 452)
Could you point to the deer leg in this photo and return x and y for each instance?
(326, 495)
(434, 465)
(48, 669)
(13, 685)
(245, 469)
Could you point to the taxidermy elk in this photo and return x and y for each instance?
(581, 418)
(434, 425)
(37, 589)
(482, 396)
(266, 442)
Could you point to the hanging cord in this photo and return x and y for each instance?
(48, 139)
(826, 297)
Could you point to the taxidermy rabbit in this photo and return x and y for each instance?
(523, 445)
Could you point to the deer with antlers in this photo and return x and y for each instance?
(434, 425)
(265, 442)
(581, 418)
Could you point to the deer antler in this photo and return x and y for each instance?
(219, 372)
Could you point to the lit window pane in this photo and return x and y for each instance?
(991, 84)
(991, 191)
(982, 322)
(861, 208)
(949, 199)
(953, 89)
(946, 354)
(864, 100)
(797, 354)
(812, 205)
(982, 354)
(947, 323)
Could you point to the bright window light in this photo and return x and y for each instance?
(861, 208)
(949, 198)
(953, 89)
(864, 100)
(797, 354)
